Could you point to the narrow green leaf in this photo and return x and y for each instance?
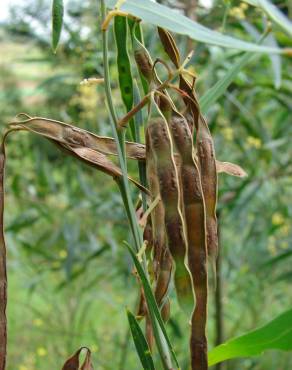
(279, 258)
(277, 334)
(274, 13)
(216, 91)
(151, 302)
(162, 16)
(140, 343)
(57, 22)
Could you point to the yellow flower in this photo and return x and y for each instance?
(38, 322)
(42, 352)
(272, 249)
(277, 219)
(243, 6)
(284, 245)
(23, 367)
(254, 142)
(228, 133)
(94, 348)
(237, 12)
(63, 254)
(285, 229)
(272, 246)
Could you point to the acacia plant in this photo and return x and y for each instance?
(172, 217)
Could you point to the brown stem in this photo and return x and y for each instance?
(219, 324)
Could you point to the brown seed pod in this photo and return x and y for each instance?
(162, 260)
(194, 212)
(75, 136)
(166, 172)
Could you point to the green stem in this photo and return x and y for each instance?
(125, 189)
(119, 137)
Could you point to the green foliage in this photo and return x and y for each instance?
(164, 17)
(66, 225)
(277, 334)
(140, 343)
(57, 22)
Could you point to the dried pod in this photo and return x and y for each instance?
(73, 362)
(166, 172)
(194, 212)
(75, 136)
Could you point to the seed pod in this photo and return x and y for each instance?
(161, 144)
(76, 143)
(197, 251)
(169, 46)
(194, 211)
(72, 135)
(143, 61)
(165, 310)
(73, 362)
(161, 258)
(157, 214)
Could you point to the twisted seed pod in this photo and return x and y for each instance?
(158, 213)
(161, 257)
(77, 143)
(205, 148)
(194, 211)
(72, 135)
(161, 144)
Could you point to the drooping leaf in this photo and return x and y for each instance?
(216, 91)
(140, 343)
(279, 258)
(277, 334)
(162, 16)
(276, 61)
(57, 22)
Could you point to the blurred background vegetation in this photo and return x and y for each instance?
(70, 277)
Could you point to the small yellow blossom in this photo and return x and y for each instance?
(228, 133)
(56, 264)
(272, 246)
(272, 249)
(278, 219)
(244, 6)
(38, 322)
(42, 352)
(285, 229)
(254, 142)
(284, 245)
(244, 269)
(23, 367)
(237, 12)
(63, 254)
(94, 348)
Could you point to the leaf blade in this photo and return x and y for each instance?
(165, 17)
(140, 343)
(276, 334)
(57, 22)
